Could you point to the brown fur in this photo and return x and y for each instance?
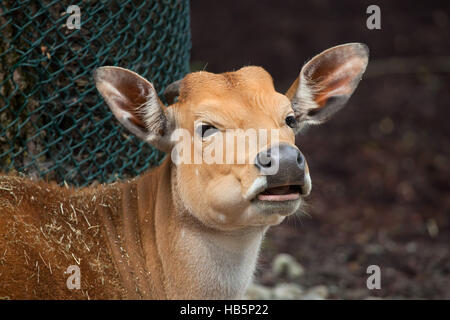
(46, 228)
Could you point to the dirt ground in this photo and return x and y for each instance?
(381, 167)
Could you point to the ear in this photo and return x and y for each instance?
(326, 82)
(135, 103)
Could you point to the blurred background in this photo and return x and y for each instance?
(380, 167)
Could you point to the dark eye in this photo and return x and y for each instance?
(205, 130)
(291, 122)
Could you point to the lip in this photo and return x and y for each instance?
(280, 193)
(258, 191)
(273, 197)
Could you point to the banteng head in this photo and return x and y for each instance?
(231, 136)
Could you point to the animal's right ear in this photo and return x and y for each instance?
(135, 103)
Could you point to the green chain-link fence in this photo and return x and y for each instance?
(53, 123)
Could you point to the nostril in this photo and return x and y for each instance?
(264, 159)
(300, 159)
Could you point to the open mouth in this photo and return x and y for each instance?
(281, 193)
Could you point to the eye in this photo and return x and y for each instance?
(205, 130)
(290, 121)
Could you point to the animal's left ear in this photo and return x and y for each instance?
(326, 82)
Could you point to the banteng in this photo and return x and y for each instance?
(184, 229)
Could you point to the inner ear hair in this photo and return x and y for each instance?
(152, 113)
(326, 82)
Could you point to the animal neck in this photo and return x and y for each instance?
(221, 264)
(165, 252)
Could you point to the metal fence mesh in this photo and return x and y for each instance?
(53, 123)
